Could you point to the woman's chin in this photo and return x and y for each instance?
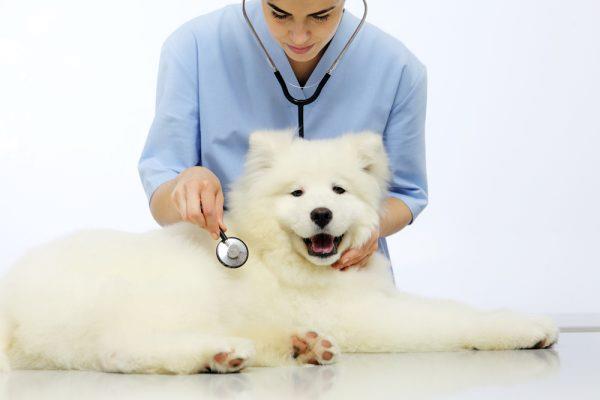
(300, 57)
(305, 57)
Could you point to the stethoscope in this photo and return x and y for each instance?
(232, 252)
(302, 102)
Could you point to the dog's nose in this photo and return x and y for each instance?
(321, 216)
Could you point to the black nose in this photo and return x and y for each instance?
(321, 216)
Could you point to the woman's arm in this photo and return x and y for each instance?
(162, 208)
(404, 139)
(173, 142)
(395, 216)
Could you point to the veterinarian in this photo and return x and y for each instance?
(215, 87)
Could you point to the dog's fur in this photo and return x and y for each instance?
(160, 302)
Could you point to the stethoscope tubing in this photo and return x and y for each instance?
(300, 103)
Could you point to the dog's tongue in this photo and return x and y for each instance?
(322, 243)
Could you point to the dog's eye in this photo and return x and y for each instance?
(338, 189)
(297, 193)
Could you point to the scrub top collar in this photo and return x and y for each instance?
(337, 43)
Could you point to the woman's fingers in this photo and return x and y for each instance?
(207, 198)
(219, 207)
(194, 211)
(343, 260)
(353, 261)
(358, 262)
(179, 199)
(353, 258)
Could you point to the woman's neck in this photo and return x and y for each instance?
(303, 69)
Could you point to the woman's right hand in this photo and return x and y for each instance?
(198, 197)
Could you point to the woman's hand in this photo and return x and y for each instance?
(358, 257)
(198, 197)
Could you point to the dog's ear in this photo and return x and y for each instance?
(371, 151)
(371, 155)
(263, 146)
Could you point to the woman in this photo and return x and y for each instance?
(215, 87)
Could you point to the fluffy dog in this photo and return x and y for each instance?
(160, 302)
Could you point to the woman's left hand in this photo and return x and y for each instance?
(358, 257)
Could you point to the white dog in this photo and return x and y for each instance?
(160, 302)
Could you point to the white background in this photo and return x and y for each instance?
(512, 137)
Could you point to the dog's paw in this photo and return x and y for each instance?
(550, 330)
(547, 338)
(309, 347)
(506, 330)
(230, 360)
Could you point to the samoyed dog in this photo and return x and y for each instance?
(160, 302)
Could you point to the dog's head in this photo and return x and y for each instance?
(318, 197)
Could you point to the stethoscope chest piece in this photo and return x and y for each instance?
(231, 251)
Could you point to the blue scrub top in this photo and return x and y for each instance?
(215, 87)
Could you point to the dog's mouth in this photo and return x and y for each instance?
(322, 245)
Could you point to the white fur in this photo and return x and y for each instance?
(160, 302)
